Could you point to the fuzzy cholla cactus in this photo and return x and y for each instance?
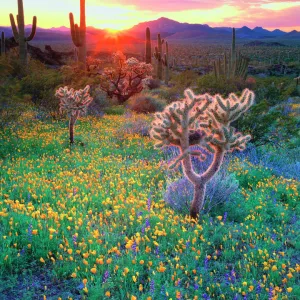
(203, 121)
(75, 103)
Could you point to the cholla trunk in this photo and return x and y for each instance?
(71, 128)
(198, 200)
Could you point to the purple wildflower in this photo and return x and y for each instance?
(225, 217)
(147, 223)
(152, 286)
(30, 231)
(149, 203)
(205, 296)
(196, 286)
(105, 276)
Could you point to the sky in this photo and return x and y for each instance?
(123, 14)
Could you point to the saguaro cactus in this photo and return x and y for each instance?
(78, 34)
(75, 103)
(148, 46)
(203, 121)
(166, 63)
(158, 57)
(2, 49)
(19, 33)
(234, 67)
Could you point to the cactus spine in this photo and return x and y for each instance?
(203, 121)
(148, 46)
(19, 33)
(78, 34)
(234, 67)
(166, 63)
(2, 52)
(158, 57)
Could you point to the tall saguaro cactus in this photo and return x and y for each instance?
(203, 121)
(158, 57)
(236, 66)
(166, 63)
(78, 34)
(148, 46)
(2, 49)
(19, 33)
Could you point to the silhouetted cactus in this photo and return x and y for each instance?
(75, 103)
(158, 57)
(234, 67)
(203, 121)
(19, 33)
(166, 63)
(78, 34)
(2, 48)
(148, 46)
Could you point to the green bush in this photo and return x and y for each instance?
(41, 83)
(115, 110)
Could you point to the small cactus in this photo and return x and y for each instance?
(166, 63)
(158, 57)
(78, 34)
(203, 121)
(2, 48)
(19, 33)
(148, 46)
(75, 103)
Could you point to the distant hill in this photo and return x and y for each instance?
(168, 28)
(267, 44)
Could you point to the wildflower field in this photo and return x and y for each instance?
(89, 221)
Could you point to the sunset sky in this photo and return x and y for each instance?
(123, 14)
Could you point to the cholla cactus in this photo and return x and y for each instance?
(75, 103)
(203, 121)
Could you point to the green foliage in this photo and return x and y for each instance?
(41, 83)
(115, 110)
(223, 86)
(268, 125)
(275, 89)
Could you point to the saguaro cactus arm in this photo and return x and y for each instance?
(33, 29)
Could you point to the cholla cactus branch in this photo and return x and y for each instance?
(75, 103)
(203, 121)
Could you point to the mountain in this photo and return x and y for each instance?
(168, 28)
(292, 35)
(267, 44)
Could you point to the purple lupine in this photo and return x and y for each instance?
(143, 230)
(270, 293)
(235, 297)
(74, 238)
(205, 296)
(225, 217)
(30, 231)
(147, 223)
(105, 276)
(206, 263)
(258, 288)
(28, 197)
(187, 244)
(227, 279)
(157, 251)
(140, 213)
(196, 287)
(133, 247)
(149, 203)
(152, 286)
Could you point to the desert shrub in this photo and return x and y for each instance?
(185, 79)
(219, 190)
(41, 83)
(145, 103)
(169, 94)
(209, 84)
(134, 124)
(153, 83)
(275, 89)
(114, 110)
(268, 124)
(100, 102)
